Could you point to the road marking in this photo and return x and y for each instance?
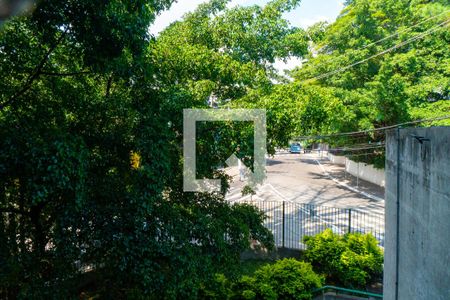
(276, 192)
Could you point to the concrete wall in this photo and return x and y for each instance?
(419, 247)
(335, 159)
(366, 172)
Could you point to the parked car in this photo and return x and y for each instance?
(295, 148)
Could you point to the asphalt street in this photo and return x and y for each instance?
(300, 178)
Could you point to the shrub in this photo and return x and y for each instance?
(352, 260)
(219, 288)
(286, 279)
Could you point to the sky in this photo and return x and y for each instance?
(308, 13)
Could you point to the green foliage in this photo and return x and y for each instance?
(408, 83)
(394, 83)
(91, 121)
(90, 157)
(218, 289)
(353, 260)
(247, 190)
(249, 267)
(225, 53)
(284, 279)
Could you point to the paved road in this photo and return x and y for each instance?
(299, 178)
(301, 181)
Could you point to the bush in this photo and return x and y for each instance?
(352, 260)
(219, 288)
(286, 279)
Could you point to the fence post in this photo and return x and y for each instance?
(350, 220)
(283, 223)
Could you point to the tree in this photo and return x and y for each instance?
(349, 81)
(389, 84)
(90, 163)
(224, 55)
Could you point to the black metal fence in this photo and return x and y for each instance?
(290, 221)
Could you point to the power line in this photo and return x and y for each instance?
(404, 30)
(364, 154)
(397, 33)
(373, 130)
(366, 144)
(350, 135)
(418, 36)
(346, 149)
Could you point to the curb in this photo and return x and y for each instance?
(353, 189)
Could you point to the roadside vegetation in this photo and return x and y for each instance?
(354, 261)
(351, 260)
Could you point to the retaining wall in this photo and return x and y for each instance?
(417, 242)
(335, 159)
(366, 172)
(363, 171)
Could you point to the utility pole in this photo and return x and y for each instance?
(357, 176)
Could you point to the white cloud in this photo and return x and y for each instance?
(181, 7)
(176, 11)
(290, 64)
(306, 22)
(234, 3)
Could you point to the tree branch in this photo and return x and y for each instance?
(108, 86)
(34, 75)
(13, 210)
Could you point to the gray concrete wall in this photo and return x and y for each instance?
(366, 172)
(336, 159)
(421, 242)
